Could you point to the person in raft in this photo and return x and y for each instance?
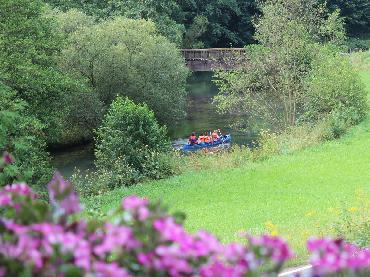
(193, 139)
(207, 138)
(202, 138)
(215, 135)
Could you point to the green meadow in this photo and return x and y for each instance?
(296, 195)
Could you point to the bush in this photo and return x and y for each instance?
(131, 144)
(334, 88)
(266, 146)
(139, 239)
(23, 136)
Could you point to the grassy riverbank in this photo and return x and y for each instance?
(297, 195)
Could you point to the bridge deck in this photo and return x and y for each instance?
(212, 58)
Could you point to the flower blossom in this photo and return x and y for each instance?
(137, 206)
(337, 255)
(272, 247)
(8, 158)
(63, 198)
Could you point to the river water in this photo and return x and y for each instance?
(201, 116)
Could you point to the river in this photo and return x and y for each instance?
(201, 116)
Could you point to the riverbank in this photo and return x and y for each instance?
(297, 195)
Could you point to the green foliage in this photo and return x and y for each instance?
(218, 23)
(196, 23)
(90, 7)
(127, 57)
(29, 46)
(353, 223)
(223, 23)
(130, 144)
(162, 13)
(356, 14)
(294, 72)
(355, 44)
(23, 136)
(334, 87)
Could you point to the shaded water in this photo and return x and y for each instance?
(201, 116)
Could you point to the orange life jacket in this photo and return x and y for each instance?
(215, 135)
(207, 139)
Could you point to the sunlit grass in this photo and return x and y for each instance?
(295, 196)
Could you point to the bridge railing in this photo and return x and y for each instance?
(213, 58)
(211, 53)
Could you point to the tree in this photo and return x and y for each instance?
(131, 136)
(91, 7)
(22, 135)
(200, 23)
(272, 86)
(356, 14)
(128, 57)
(229, 22)
(166, 15)
(29, 47)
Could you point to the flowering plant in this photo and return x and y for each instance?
(140, 239)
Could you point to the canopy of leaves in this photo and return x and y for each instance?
(273, 85)
(29, 47)
(209, 23)
(356, 14)
(23, 136)
(128, 57)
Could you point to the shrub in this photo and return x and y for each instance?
(23, 136)
(131, 144)
(266, 146)
(140, 239)
(334, 88)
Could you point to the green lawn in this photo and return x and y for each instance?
(300, 193)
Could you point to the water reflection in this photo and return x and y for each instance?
(201, 113)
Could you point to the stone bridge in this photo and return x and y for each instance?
(213, 58)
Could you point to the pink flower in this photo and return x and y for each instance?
(271, 247)
(169, 230)
(337, 255)
(20, 189)
(13, 195)
(62, 196)
(134, 202)
(219, 269)
(8, 158)
(5, 200)
(138, 207)
(109, 270)
(146, 259)
(116, 237)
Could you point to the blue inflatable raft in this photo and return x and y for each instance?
(194, 147)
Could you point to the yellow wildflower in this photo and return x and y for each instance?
(353, 209)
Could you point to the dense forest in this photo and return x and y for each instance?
(209, 23)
